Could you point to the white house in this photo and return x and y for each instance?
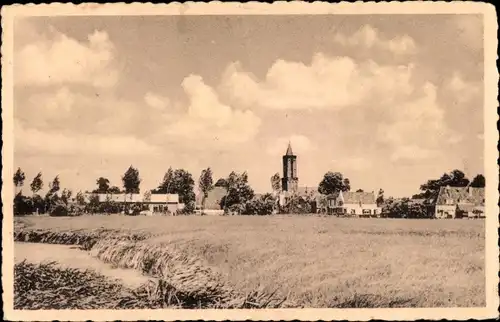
(157, 203)
(353, 204)
(460, 202)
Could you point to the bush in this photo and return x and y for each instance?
(263, 205)
(59, 210)
(22, 205)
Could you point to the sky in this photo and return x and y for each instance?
(389, 101)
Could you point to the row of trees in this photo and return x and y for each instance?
(240, 197)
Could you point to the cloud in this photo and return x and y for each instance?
(156, 101)
(368, 37)
(462, 91)
(57, 59)
(412, 152)
(29, 140)
(328, 83)
(300, 144)
(208, 120)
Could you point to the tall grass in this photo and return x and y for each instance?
(310, 261)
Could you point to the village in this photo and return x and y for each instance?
(333, 197)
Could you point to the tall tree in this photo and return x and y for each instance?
(478, 182)
(37, 183)
(131, 180)
(102, 185)
(430, 189)
(51, 198)
(239, 192)
(380, 198)
(66, 195)
(180, 182)
(276, 182)
(206, 184)
(54, 186)
(333, 182)
(165, 185)
(80, 198)
(19, 178)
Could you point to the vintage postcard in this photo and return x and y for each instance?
(250, 161)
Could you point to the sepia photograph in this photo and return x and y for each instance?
(250, 161)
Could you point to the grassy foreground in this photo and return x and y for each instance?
(288, 260)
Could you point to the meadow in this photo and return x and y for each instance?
(300, 261)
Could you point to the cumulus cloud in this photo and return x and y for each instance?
(209, 120)
(156, 101)
(368, 37)
(300, 144)
(327, 83)
(31, 140)
(461, 90)
(387, 99)
(58, 59)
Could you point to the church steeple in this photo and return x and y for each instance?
(289, 182)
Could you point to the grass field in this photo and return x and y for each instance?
(314, 261)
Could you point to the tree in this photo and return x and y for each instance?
(360, 190)
(261, 206)
(22, 205)
(276, 182)
(221, 183)
(37, 183)
(380, 198)
(131, 180)
(80, 198)
(333, 182)
(180, 182)
(54, 186)
(114, 189)
(102, 185)
(430, 189)
(19, 178)
(478, 182)
(206, 184)
(147, 196)
(51, 198)
(66, 196)
(238, 194)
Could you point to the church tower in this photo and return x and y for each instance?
(290, 181)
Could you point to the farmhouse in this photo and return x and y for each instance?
(156, 203)
(358, 204)
(460, 202)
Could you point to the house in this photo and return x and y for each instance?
(460, 202)
(353, 204)
(156, 203)
(212, 203)
(163, 203)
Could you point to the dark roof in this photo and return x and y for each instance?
(461, 195)
(358, 197)
(213, 199)
(289, 149)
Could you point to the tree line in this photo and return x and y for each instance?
(240, 198)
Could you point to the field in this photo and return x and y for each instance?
(285, 261)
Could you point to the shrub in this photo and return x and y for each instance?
(59, 210)
(262, 205)
(22, 205)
